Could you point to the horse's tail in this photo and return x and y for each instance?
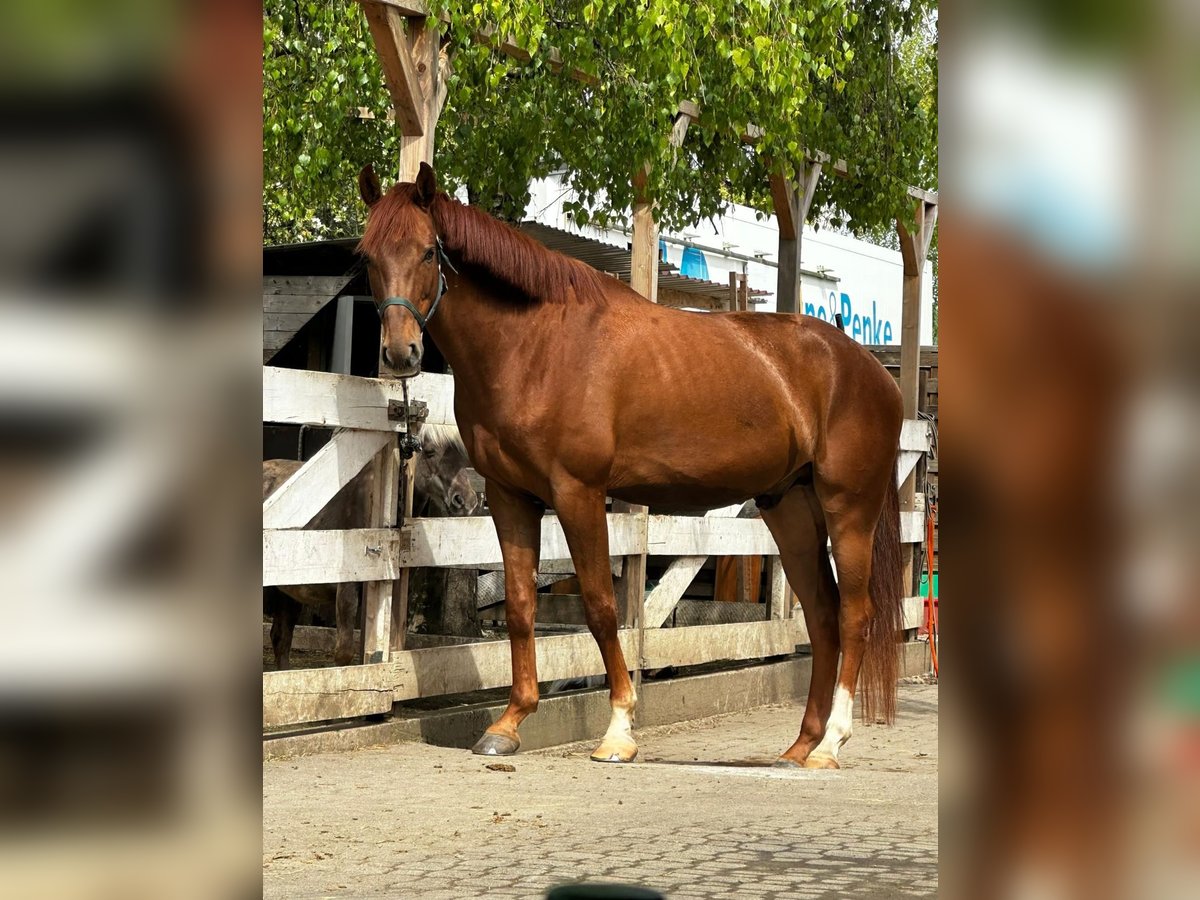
(880, 667)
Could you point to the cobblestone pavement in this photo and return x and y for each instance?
(699, 817)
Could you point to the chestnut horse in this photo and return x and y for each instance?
(569, 386)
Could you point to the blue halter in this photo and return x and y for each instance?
(423, 318)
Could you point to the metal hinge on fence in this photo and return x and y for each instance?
(413, 413)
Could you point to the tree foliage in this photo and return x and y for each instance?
(852, 78)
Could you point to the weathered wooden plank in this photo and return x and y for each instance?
(473, 667)
(567, 609)
(705, 643)
(905, 463)
(285, 321)
(914, 435)
(377, 595)
(472, 540)
(912, 526)
(313, 695)
(779, 596)
(710, 536)
(914, 612)
(300, 397)
(391, 45)
(670, 588)
(327, 286)
(313, 485)
(294, 304)
(437, 391)
(330, 557)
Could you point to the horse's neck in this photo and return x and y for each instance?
(482, 336)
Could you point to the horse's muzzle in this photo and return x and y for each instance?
(402, 365)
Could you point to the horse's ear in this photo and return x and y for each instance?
(368, 185)
(426, 185)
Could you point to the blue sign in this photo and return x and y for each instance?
(866, 329)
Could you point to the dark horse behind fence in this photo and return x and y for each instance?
(569, 386)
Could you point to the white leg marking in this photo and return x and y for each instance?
(618, 743)
(840, 725)
(620, 726)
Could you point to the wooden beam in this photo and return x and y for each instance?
(387, 24)
(437, 392)
(472, 540)
(377, 554)
(299, 696)
(671, 587)
(914, 435)
(644, 253)
(786, 203)
(693, 536)
(914, 247)
(422, 45)
(705, 643)
(792, 198)
(298, 397)
(331, 557)
(486, 665)
(310, 488)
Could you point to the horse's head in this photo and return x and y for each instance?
(404, 264)
(443, 485)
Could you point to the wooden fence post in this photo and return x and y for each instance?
(914, 247)
(415, 68)
(378, 596)
(792, 198)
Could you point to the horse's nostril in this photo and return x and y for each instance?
(412, 351)
(383, 355)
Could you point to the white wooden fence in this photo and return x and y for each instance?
(377, 556)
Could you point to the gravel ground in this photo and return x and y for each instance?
(700, 816)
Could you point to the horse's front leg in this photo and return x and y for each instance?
(518, 521)
(581, 511)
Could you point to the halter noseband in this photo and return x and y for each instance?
(423, 318)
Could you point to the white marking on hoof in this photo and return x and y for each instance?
(837, 731)
(618, 744)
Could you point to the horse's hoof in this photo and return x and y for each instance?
(784, 763)
(611, 752)
(496, 745)
(820, 761)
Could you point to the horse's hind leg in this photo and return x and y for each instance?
(581, 511)
(798, 526)
(851, 518)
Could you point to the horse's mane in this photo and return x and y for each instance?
(477, 240)
(442, 439)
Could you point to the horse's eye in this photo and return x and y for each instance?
(428, 255)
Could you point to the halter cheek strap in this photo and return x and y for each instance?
(423, 318)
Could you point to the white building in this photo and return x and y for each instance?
(840, 274)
